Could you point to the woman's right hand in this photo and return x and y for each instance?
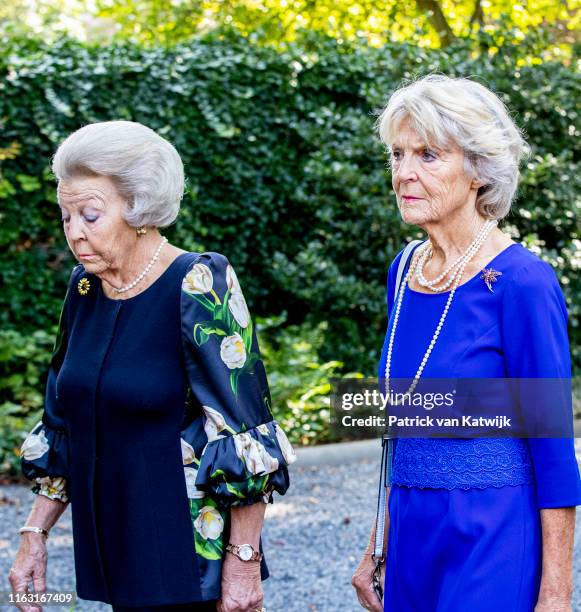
(29, 566)
(363, 582)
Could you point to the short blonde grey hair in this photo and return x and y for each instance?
(445, 111)
(146, 168)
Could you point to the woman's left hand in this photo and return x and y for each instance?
(241, 586)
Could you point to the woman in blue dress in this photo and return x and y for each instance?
(157, 426)
(472, 524)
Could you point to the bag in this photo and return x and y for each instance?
(378, 554)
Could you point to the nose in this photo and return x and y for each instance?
(74, 230)
(406, 169)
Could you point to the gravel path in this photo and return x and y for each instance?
(313, 537)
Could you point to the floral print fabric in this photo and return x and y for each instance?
(44, 451)
(246, 452)
(243, 452)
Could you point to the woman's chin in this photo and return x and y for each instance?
(92, 265)
(412, 216)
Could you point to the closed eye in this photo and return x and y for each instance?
(87, 218)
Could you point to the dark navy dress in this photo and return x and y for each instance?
(157, 420)
(465, 531)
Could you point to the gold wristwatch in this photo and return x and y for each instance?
(244, 552)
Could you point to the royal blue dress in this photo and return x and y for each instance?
(157, 420)
(465, 531)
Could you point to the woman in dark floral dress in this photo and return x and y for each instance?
(157, 425)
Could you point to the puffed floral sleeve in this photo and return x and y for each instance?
(44, 452)
(246, 454)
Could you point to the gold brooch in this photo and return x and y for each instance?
(84, 286)
(489, 276)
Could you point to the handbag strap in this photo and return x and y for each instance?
(387, 442)
(405, 256)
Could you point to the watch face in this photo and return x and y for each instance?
(245, 552)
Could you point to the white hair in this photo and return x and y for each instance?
(444, 111)
(146, 167)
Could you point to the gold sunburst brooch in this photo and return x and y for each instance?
(489, 276)
(84, 286)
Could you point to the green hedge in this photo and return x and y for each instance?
(285, 174)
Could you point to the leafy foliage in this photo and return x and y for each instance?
(285, 176)
(276, 23)
(23, 367)
(299, 382)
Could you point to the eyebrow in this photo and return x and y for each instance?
(420, 147)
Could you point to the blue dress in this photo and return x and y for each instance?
(465, 531)
(156, 421)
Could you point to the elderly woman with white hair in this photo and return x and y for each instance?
(473, 524)
(157, 425)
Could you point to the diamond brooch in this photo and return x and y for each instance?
(489, 276)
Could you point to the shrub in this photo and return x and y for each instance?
(285, 174)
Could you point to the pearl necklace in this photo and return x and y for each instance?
(144, 273)
(456, 277)
(476, 243)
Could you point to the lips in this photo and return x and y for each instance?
(410, 198)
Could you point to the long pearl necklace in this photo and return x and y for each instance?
(143, 274)
(456, 277)
(476, 243)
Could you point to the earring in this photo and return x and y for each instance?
(141, 230)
